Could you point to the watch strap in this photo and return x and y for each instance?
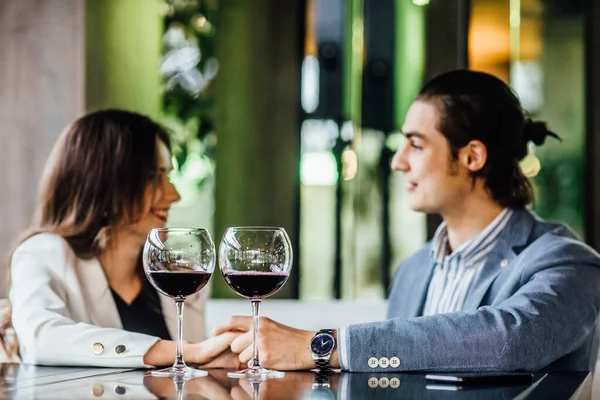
(323, 362)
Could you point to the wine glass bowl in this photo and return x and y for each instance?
(255, 262)
(178, 263)
(255, 285)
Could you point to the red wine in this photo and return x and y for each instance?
(178, 285)
(255, 285)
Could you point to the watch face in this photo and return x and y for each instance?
(322, 344)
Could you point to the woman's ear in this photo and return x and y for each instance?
(473, 156)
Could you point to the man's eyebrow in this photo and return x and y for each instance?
(409, 135)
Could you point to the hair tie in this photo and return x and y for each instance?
(536, 132)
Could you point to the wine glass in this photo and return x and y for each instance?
(255, 263)
(179, 262)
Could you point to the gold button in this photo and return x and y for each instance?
(384, 382)
(395, 383)
(97, 348)
(97, 390)
(120, 349)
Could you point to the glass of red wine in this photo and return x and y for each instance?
(179, 262)
(255, 262)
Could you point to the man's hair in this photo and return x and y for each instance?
(478, 106)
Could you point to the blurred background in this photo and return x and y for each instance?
(287, 113)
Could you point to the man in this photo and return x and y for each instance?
(496, 289)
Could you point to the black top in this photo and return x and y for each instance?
(144, 314)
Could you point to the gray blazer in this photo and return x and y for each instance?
(534, 306)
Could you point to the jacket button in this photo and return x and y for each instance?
(395, 362)
(503, 263)
(395, 383)
(97, 390)
(120, 349)
(384, 382)
(97, 348)
(373, 362)
(384, 362)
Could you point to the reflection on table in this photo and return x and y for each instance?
(26, 382)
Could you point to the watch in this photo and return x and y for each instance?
(321, 347)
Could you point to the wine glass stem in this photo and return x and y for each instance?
(180, 388)
(255, 311)
(255, 390)
(179, 363)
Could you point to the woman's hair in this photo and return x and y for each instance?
(8, 344)
(478, 106)
(95, 179)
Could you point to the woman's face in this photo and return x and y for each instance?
(159, 196)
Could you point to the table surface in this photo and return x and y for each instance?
(21, 381)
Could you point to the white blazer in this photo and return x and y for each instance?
(63, 310)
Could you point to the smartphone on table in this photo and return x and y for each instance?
(457, 381)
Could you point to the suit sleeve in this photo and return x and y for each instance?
(551, 315)
(47, 333)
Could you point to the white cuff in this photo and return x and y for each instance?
(342, 348)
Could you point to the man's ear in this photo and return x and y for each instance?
(473, 156)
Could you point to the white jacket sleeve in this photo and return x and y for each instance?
(46, 331)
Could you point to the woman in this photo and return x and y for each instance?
(79, 294)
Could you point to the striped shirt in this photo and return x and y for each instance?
(454, 272)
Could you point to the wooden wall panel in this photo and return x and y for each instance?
(41, 90)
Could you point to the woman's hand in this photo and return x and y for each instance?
(212, 351)
(227, 360)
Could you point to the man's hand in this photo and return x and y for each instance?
(280, 347)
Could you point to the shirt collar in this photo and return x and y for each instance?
(475, 247)
(439, 245)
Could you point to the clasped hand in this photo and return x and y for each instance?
(280, 347)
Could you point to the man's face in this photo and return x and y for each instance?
(434, 182)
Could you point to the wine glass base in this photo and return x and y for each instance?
(256, 374)
(178, 373)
